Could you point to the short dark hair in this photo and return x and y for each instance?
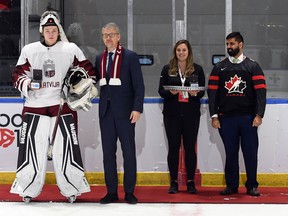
(238, 37)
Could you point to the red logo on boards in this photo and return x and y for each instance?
(6, 137)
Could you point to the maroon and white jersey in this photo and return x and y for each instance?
(54, 62)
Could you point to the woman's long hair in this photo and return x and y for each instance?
(173, 63)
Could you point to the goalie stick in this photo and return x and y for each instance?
(79, 96)
(51, 143)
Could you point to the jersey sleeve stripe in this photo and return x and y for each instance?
(214, 78)
(258, 77)
(212, 87)
(260, 86)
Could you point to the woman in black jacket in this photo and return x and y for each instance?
(181, 111)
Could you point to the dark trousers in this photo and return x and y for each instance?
(112, 129)
(187, 129)
(237, 131)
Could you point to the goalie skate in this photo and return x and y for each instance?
(27, 199)
(71, 199)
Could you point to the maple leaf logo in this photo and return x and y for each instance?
(235, 85)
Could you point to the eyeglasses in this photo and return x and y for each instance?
(111, 35)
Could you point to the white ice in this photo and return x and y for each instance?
(145, 209)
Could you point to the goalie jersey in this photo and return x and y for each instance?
(54, 62)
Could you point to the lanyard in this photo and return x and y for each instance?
(182, 77)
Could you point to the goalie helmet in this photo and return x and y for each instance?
(51, 18)
(81, 89)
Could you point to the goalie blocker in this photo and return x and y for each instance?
(32, 158)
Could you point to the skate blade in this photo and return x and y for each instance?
(27, 199)
(71, 199)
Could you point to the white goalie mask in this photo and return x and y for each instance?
(81, 89)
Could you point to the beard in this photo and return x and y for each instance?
(233, 52)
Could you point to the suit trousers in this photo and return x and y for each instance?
(113, 128)
(237, 131)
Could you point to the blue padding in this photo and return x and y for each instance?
(277, 100)
(11, 100)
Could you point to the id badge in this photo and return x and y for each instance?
(183, 97)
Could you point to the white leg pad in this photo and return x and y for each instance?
(67, 160)
(32, 158)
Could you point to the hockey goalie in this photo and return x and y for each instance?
(50, 111)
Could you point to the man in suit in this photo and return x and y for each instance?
(120, 106)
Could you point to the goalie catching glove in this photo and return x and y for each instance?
(81, 89)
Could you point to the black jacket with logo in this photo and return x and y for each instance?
(237, 89)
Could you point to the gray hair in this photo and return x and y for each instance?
(112, 25)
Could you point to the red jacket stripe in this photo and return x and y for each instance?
(212, 87)
(214, 78)
(263, 86)
(259, 77)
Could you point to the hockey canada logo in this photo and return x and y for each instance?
(235, 85)
(6, 137)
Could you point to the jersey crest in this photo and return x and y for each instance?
(235, 85)
(49, 68)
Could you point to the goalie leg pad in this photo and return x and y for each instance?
(32, 156)
(67, 160)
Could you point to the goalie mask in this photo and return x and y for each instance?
(81, 89)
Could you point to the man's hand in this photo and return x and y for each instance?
(215, 123)
(257, 121)
(135, 116)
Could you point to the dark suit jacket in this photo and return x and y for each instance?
(130, 95)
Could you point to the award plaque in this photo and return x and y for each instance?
(185, 88)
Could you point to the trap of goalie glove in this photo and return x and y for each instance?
(81, 89)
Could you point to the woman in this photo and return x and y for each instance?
(181, 111)
(39, 76)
